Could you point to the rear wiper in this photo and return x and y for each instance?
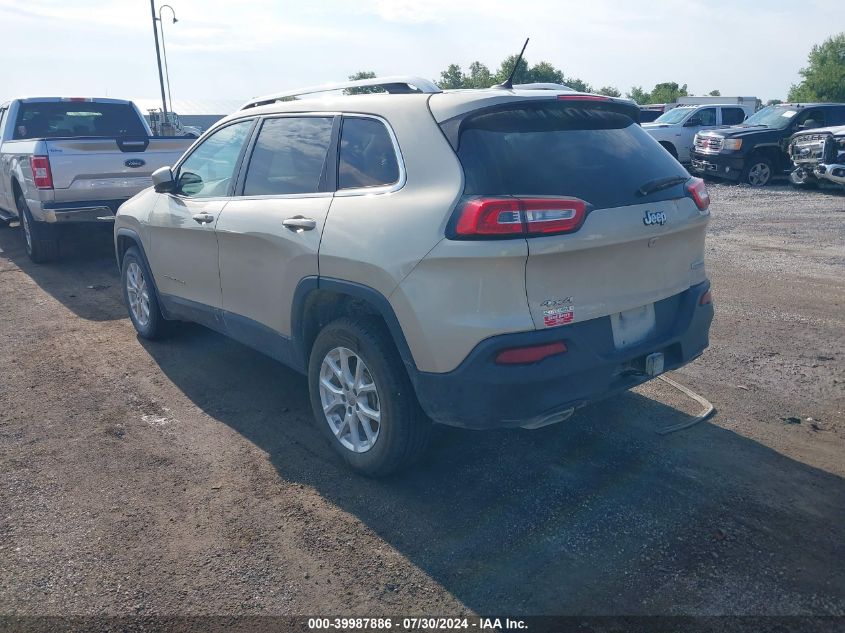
(659, 184)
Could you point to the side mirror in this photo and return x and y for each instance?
(809, 124)
(190, 184)
(163, 181)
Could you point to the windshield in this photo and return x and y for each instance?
(675, 115)
(773, 116)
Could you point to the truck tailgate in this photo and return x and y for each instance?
(108, 169)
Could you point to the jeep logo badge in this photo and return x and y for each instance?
(135, 162)
(654, 217)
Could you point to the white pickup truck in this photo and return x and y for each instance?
(675, 130)
(73, 160)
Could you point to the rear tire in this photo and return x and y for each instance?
(355, 375)
(758, 172)
(140, 298)
(38, 238)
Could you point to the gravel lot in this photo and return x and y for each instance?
(186, 477)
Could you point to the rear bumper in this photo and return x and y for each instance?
(480, 394)
(95, 211)
(717, 166)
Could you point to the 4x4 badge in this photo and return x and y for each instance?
(654, 217)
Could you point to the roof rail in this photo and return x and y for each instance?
(543, 86)
(392, 85)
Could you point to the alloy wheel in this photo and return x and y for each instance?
(27, 231)
(138, 293)
(350, 400)
(759, 174)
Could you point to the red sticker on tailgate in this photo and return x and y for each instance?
(558, 316)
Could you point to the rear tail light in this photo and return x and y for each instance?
(41, 173)
(511, 217)
(484, 216)
(698, 190)
(531, 354)
(706, 299)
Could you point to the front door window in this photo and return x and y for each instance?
(209, 170)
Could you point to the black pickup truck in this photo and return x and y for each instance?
(755, 151)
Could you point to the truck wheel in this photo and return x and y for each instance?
(140, 297)
(671, 149)
(38, 239)
(758, 172)
(363, 399)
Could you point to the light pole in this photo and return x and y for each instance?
(164, 48)
(158, 59)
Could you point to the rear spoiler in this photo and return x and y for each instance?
(452, 127)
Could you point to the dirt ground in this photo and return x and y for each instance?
(186, 477)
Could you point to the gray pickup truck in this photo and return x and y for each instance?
(72, 161)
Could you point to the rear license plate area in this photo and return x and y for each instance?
(632, 327)
(650, 365)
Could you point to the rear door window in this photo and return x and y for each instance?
(289, 156)
(556, 149)
(77, 118)
(835, 116)
(732, 116)
(367, 155)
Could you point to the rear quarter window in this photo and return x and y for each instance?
(367, 156)
(553, 149)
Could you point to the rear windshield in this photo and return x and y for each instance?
(77, 118)
(555, 149)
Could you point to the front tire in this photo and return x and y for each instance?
(758, 172)
(671, 149)
(363, 399)
(140, 297)
(39, 241)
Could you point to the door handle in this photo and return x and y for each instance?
(299, 223)
(204, 218)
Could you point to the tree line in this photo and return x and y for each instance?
(479, 75)
(822, 80)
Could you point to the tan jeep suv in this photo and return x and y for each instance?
(481, 258)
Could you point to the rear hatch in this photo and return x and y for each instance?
(610, 218)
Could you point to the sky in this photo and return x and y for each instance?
(240, 49)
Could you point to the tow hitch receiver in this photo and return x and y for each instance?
(654, 364)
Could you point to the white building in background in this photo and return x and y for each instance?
(201, 113)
